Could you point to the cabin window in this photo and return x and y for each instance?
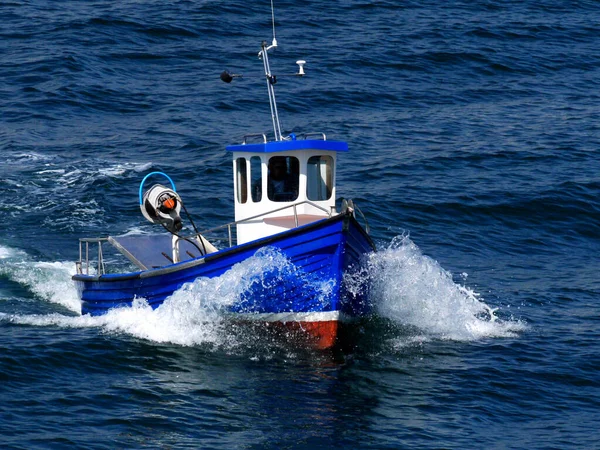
(283, 179)
(319, 178)
(256, 178)
(241, 180)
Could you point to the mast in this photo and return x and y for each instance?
(271, 80)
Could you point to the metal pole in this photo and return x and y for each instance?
(295, 216)
(271, 89)
(100, 262)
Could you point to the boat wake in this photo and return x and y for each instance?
(49, 281)
(51, 182)
(408, 289)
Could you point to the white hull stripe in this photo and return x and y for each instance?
(290, 316)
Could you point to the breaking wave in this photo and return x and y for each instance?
(411, 289)
(195, 314)
(50, 281)
(408, 289)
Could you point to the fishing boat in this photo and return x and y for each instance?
(284, 193)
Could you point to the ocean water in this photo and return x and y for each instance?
(474, 133)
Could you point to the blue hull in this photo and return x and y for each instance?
(321, 252)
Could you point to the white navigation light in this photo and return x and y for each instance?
(301, 63)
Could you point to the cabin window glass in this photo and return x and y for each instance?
(283, 179)
(256, 178)
(241, 180)
(319, 176)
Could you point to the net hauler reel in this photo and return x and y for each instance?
(161, 205)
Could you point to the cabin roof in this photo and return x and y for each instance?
(286, 146)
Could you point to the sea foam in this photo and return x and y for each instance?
(50, 281)
(406, 288)
(411, 289)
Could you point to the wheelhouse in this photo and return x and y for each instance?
(280, 185)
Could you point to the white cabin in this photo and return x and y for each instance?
(286, 183)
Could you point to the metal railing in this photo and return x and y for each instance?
(84, 243)
(264, 136)
(317, 133)
(248, 219)
(101, 269)
(253, 135)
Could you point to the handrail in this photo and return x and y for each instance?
(248, 219)
(99, 241)
(263, 135)
(318, 133)
(79, 264)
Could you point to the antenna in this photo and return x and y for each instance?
(273, 21)
(271, 79)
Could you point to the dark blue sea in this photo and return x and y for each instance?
(474, 134)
